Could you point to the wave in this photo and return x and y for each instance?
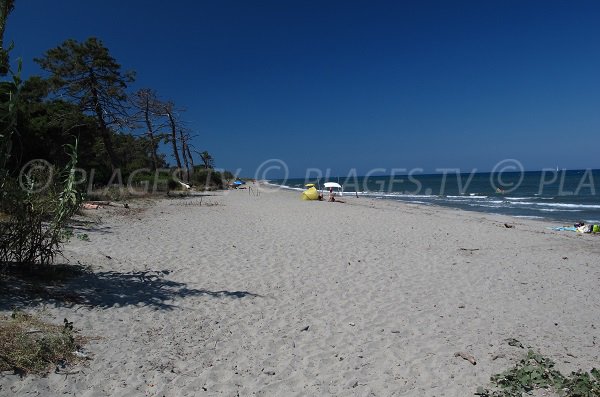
(558, 210)
(469, 197)
(397, 195)
(560, 205)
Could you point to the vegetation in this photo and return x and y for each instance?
(37, 214)
(538, 372)
(206, 179)
(29, 345)
(111, 139)
(147, 110)
(207, 159)
(36, 204)
(91, 78)
(6, 7)
(85, 95)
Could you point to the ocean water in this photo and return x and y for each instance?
(564, 196)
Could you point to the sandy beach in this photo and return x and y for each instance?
(239, 294)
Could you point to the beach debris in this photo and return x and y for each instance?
(268, 371)
(305, 328)
(395, 331)
(68, 324)
(62, 369)
(506, 225)
(461, 306)
(466, 356)
(497, 356)
(351, 324)
(469, 249)
(80, 354)
(514, 342)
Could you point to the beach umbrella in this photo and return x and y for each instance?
(333, 184)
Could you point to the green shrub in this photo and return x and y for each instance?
(33, 228)
(538, 372)
(206, 179)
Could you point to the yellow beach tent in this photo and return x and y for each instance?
(311, 193)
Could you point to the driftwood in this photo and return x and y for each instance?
(466, 356)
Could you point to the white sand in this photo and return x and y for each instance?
(213, 300)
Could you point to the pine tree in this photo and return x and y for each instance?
(89, 76)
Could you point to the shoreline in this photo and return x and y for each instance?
(541, 223)
(268, 294)
(401, 198)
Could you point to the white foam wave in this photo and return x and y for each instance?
(560, 205)
(558, 210)
(520, 198)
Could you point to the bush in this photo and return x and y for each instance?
(538, 372)
(206, 179)
(173, 184)
(33, 228)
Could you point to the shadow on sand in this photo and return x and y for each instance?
(69, 285)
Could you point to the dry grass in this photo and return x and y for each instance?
(29, 345)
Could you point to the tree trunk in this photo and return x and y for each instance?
(174, 138)
(154, 146)
(104, 131)
(185, 159)
(187, 148)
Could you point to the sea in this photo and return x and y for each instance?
(563, 196)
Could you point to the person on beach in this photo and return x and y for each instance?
(331, 195)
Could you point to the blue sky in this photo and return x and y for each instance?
(345, 84)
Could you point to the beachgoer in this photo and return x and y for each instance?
(331, 198)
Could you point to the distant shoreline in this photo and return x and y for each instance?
(564, 197)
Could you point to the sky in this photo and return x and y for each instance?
(338, 86)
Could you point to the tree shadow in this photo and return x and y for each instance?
(68, 285)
